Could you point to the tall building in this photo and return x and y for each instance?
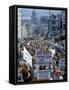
(23, 32)
(29, 27)
(54, 25)
(25, 26)
(63, 20)
(19, 23)
(33, 17)
(44, 19)
(40, 30)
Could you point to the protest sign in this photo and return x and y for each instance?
(62, 64)
(43, 75)
(27, 57)
(45, 58)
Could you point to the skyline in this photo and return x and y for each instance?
(39, 12)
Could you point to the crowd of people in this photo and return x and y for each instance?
(26, 73)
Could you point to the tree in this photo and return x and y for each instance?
(60, 37)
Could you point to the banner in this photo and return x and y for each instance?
(44, 58)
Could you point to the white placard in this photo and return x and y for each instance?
(43, 74)
(27, 56)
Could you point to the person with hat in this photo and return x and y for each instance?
(57, 75)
